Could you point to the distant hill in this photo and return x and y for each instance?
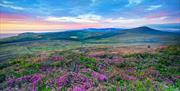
(6, 35)
(104, 29)
(171, 27)
(105, 35)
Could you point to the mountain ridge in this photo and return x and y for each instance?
(93, 34)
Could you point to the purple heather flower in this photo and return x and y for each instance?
(61, 81)
(168, 81)
(130, 70)
(92, 55)
(34, 79)
(99, 76)
(102, 77)
(46, 68)
(72, 78)
(88, 85)
(78, 88)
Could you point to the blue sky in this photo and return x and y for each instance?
(89, 13)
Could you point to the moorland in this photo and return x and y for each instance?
(109, 59)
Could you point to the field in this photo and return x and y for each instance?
(138, 59)
(93, 68)
(89, 45)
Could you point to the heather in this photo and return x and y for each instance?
(94, 69)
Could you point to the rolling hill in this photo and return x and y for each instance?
(106, 35)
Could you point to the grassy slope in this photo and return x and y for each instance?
(30, 43)
(153, 69)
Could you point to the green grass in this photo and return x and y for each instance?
(165, 62)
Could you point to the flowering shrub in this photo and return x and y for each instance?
(45, 68)
(97, 71)
(74, 78)
(99, 76)
(33, 79)
(78, 88)
(130, 70)
(63, 80)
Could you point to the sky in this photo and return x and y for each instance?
(17, 16)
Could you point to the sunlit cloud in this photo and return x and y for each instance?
(87, 18)
(153, 7)
(130, 23)
(15, 22)
(110, 22)
(18, 23)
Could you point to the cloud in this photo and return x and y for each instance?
(87, 18)
(163, 17)
(7, 2)
(153, 7)
(15, 22)
(134, 2)
(130, 22)
(10, 5)
(108, 22)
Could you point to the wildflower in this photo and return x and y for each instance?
(99, 76)
(61, 81)
(88, 84)
(46, 68)
(130, 70)
(78, 88)
(34, 79)
(72, 78)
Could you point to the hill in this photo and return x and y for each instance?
(32, 43)
(99, 35)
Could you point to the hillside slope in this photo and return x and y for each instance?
(111, 35)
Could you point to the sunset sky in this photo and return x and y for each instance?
(17, 16)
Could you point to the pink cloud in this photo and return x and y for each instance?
(21, 23)
(157, 15)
